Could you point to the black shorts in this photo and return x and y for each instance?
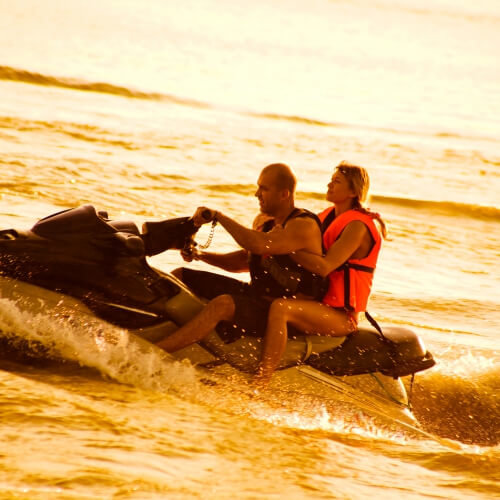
(251, 311)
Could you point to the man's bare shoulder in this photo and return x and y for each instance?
(306, 232)
(307, 224)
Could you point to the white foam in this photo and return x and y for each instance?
(115, 352)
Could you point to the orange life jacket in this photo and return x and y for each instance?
(351, 283)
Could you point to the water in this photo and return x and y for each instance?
(149, 109)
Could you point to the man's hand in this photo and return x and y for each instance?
(189, 253)
(203, 215)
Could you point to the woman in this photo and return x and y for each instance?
(352, 243)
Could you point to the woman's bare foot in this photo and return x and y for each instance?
(261, 378)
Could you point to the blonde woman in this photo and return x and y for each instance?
(352, 243)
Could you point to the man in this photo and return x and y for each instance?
(267, 252)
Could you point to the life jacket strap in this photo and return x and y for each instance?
(377, 327)
(359, 267)
(309, 349)
(347, 279)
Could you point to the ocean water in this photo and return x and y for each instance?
(150, 109)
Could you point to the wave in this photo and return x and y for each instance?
(242, 189)
(297, 119)
(82, 132)
(25, 76)
(447, 207)
(19, 75)
(361, 126)
(438, 317)
(459, 400)
(77, 131)
(471, 16)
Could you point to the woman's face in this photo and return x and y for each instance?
(339, 189)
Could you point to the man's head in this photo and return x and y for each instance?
(276, 189)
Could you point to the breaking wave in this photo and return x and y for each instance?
(446, 207)
(19, 75)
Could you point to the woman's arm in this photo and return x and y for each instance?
(345, 246)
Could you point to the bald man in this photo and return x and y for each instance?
(236, 307)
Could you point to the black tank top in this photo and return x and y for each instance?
(280, 275)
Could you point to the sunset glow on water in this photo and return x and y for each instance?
(150, 109)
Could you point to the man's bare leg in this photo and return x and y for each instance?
(177, 273)
(219, 309)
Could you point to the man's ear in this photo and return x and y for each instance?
(285, 194)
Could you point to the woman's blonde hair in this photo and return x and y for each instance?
(359, 181)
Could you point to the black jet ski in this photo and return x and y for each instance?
(101, 265)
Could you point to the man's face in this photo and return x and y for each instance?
(269, 196)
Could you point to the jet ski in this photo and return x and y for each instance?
(79, 261)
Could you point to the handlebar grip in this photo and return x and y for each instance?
(207, 214)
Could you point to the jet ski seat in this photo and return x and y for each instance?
(79, 222)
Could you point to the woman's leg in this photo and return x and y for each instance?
(309, 316)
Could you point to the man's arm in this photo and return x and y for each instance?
(299, 233)
(235, 262)
(348, 242)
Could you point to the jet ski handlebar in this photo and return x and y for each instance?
(86, 221)
(207, 215)
(170, 234)
(174, 234)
